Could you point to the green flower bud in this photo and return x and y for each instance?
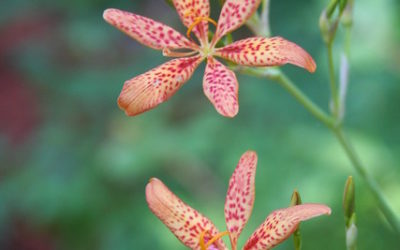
(328, 28)
(347, 16)
(349, 200)
(296, 200)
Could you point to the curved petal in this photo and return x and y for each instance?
(189, 10)
(221, 88)
(240, 197)
(233, 14)
(184, 222)
(281, 223)
(147, 31)
(260, 51)
(148, 90)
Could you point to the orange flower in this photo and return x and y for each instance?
(148, 90)
(197, 232)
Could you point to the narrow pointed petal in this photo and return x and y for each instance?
(148, 32)
(234, 13)
(260, 51)
(189, 10)
(281, 223)
(148, 90)
(221, 88)
(184, 222)
(240, 197)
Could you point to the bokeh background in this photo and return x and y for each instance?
(73, 167)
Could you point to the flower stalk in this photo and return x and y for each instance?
(333, 121)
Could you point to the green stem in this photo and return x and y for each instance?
(331, 7)
(314, 109)
(352, 155)
(371, 183)
(259, 24)
(336, 128)
(349, 150)
(332, 78)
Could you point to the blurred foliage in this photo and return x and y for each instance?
(73, 167)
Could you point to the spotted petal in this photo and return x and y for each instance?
(147, 31)
(240, 197)
(190, 10)
(221, 88)
(233, 14)
(281, 223)
(148, 90)
(184, 222)
(260, 51)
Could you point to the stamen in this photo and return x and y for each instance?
(197, 20)
(215, 238)
(202, 244)
(169, 53)
(205, 246)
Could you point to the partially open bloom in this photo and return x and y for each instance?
(197, 232)
(220, 85)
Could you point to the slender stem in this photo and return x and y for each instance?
(259, 24)
(332, 122)
(333, 85)
(350, 152)
(264, 19)
(336, 128)
(305, 101)
(371, 183)
(331, 7)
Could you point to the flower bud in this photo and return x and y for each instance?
(296, 200)
(327, 27)
(347, 16)
(349, 200)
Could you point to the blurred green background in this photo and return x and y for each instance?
(73, 167)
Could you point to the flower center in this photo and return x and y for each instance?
(204, 245)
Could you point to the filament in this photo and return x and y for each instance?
(197, 20)
(203, 245)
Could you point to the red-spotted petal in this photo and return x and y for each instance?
(281, 223)
(260, 51)
(240, 197)
(148, 90)
(190, 10)
(233, 14)
(147, 31)
(184, 222)
(221, 88)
